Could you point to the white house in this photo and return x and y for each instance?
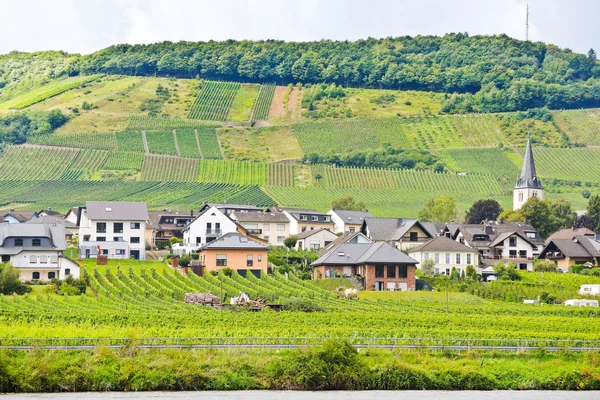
(446, 253)
(348, 220)
(114, 229)
(36, 250)
(206, 227)
(315, 240)
(513, 247)
(272, 226)
(307, 220)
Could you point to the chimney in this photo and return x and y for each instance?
(191, 213)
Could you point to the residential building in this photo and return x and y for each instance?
(347, 237)
(307, 220)
(165, 224)
(71, 228)
(315, 240)
(18, 216)
(402, 233)
(348, 220)
(36, 250)
(580, 249)
(379, 265)
(571, 233)
(446, 253)
(48, 212)
(272, 226)
(227, 208)
(514, 242)
(73, 215)
(235, 251)
(115, 229)
(528, 185)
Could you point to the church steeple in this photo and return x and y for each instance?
(528, 178)
(528, 185)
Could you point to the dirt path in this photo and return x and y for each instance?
(198, 143)
(220, 146)
(295, 103)
(277, 107)
(176, 143)
(146, 149)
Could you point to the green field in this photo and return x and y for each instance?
(215, 100)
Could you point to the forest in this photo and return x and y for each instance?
(478, 73)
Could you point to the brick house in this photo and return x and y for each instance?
(379, 266)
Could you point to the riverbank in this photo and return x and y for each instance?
(335, 366)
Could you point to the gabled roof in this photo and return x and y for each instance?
(579, 246)
(155, 216)
(232, 241)
(295, 212)
(55, 232)
(351, 216)
(505, 235)
(347, 237)
(117, 211)
(19, 215)
(528, 178)
(442, 243)
(52, 220)
(306, 234)
(571, 233)
(383, 229)
(230, 206)
(261, 216)
(363, 253)
(493, 229)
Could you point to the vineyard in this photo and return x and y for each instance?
(214, 101)
(169, 169)
(161, 142)
(148, 298)
(85, 161)
(209, 144)
(263, 103)
(99, 141)
(35, 164)
(142, 122)
(124, 161)
(568, 164)
(188, 144)
(237, 172)
(47, 91)
(130, 141)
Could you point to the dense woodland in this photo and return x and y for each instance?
(479, 73)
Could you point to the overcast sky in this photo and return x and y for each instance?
(84, 26)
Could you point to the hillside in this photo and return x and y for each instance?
(178, 142)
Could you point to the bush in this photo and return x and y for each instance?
(10, 282)
(300, 304)
(68, 290)
(184, 261)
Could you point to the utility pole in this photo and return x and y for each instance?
(527, 24)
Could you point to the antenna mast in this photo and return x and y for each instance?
(527, 24)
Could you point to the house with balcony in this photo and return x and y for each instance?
(36, 251)
(272, 226)
(348, 220)
(315, 240)
(446, 254)
(515, 242)
(302, 220)
(114, 229)
(580, 249)
(402, 233)
(165, 224)
(235, 251)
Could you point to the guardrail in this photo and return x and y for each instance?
(438, 344)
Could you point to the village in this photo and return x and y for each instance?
(380, 254)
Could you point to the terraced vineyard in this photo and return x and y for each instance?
(130, 141)
(281, 175)
(85, 160)
(568, 164)
(161, 142)
(209, 143)
(35, 163)
(142, 122)
(214, 101)
(583, 126)
(263, 103)
(99, 141)
(237, 172)
(122, 160)
(169, 169)
(188, 145)
(479, 130)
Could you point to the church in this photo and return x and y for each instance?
(528, 185)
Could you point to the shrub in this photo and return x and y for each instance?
(10, 282)
(185, 260)
(301, 304)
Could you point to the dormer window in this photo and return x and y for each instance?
(303, 217)
(327, 218)
(315, 218)
(36, 242)
(341, 253)
(108, 209)
(18, 242)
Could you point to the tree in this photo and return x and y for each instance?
(593, 212)
(506, 272)
(442, 209)
(564, 215)
(471, 271)
(290, 241)
(454, 274)
(544, 266)
(185, 260)
(539, 214)
(10, 282)
(348, 203)
(511, 216)
(428, 267)
(483, 210)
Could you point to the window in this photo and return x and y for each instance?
(437, 258)
(53, 259)
(458, 258)
(134, 225)
(425, 256)
(5, 258)
(259, 258)
(51, 275)
(43, 259)
(523, 267)
(315, 218)
(469, 258)
(101, 227)
(33, 259)
(134, 239)
(18, 242)
(447, 271)
(512, 253)
(280, 239)
(352, 229)
(221, 260)
(414, 236)
(447, 258)
(168, 220)
(530, 235)
(281, 227)
(118, 239)
(104, 252)
(315, 246)
(86, 238)
(120, 252)
(67, 271)
(512, 241)
(36, 242)
(266, 227)
(198, 239)
(379, 271)
(303, 217)
(520, 196)
(266, 238)
(101, 239)
(391, 271)
(249, 260)
(35, 275)
(118, 227)
(402, 271)
(303, 229)
(327, 218)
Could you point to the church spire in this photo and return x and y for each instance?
(528, 178)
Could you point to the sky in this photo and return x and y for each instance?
(84, 26)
